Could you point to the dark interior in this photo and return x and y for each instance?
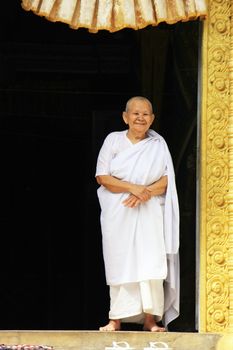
(61, 92)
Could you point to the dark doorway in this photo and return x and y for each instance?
(61, 92)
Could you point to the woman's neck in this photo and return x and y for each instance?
(135, 137)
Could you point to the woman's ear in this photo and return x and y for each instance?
(152, 118)
(124, 116)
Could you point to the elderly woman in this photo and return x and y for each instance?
(139, 222)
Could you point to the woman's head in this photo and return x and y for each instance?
(138, 114)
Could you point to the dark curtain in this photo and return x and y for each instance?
(61, 92)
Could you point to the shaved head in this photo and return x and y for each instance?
(138, 98)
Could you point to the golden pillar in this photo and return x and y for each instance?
(216, 174)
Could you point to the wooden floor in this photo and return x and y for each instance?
(94, 340)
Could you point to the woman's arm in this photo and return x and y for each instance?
(118, 186)
(157, 188)
(113, 184)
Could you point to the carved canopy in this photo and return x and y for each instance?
(113, 15)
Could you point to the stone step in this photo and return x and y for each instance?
(94, 340)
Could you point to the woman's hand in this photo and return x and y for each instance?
(141, 192)
(131, 201)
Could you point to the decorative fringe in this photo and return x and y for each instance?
(114, 15)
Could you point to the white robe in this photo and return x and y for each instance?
(140, 244)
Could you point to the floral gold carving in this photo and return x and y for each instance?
(216, 198)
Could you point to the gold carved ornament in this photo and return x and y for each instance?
(114, 15)
(216, 152)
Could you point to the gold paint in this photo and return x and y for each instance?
(216, 173)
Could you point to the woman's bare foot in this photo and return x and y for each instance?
(151, 325)
(113, 325)
(154, 328)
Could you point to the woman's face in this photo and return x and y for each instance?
(139, 116)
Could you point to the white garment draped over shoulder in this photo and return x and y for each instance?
(140, 243)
